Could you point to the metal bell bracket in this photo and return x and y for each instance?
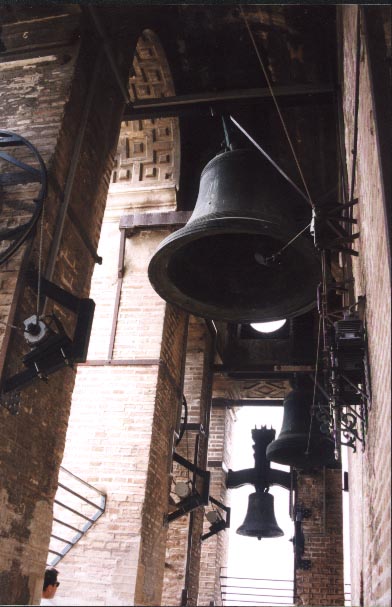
(299, 539)
(196, 498)
(349, 402)
(324, 223)
(186, 426)
(221, 523)
(58, 350)
(262, 476)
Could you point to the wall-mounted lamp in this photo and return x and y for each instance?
(218, 523)
(51, 348)
(194, 496)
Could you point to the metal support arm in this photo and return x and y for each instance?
(238, 478)
(197, 498)
(59, 350)
(219, 525)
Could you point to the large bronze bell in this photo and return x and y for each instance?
(221, 265)
(260, 518)
(301, 443)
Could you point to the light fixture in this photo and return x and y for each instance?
(182, 489)
(215, 518)
(268, 327)
(212, 516)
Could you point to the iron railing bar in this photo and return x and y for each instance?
(60, 539)
(257, 579)
(80, 496)
(57, 520)
(54, 552)
(277, 596)
(74, 511)
(80, 532)
(253, 587)
(81, 480)
(259, 602)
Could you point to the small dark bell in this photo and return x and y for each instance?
(225, 264)
(260, 518)
(301, 443)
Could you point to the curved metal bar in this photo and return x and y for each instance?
(8, 139)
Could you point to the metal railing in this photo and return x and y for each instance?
(74, 513)
(244, 591)
(269, 592)
(347, 594)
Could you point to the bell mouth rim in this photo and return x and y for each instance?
(158, 268)
(261, 537)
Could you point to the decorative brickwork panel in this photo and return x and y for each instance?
(264, 389)
(145, 153)
(148, 150)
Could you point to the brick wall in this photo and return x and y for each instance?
(214, 549)
(168, 399)
(322, 584)
(369, 470)
(183, 550)
(199, 576)
(128, 451)
(45, 95)
(121, 442)
(176, 577)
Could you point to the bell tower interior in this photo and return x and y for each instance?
(173, 179)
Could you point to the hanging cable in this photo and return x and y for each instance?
(226, 132)
(41, 239)
(314, 385)
(356, 104)
(277, 107)
(270, 160)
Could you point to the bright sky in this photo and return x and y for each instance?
(249, 557)
(271, 558)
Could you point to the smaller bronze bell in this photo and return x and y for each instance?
(301, 443)
(260, 518)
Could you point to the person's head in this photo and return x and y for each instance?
(50, 583)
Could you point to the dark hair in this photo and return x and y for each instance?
(50, 578)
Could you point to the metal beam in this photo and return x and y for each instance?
(246, 402)
(263, 371)
(212, 103)
(129, 223)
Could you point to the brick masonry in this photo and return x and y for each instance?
(132, 423)
(44, 97)
(214, 549)
(322, 584)
(370, 470)
(129, 422)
